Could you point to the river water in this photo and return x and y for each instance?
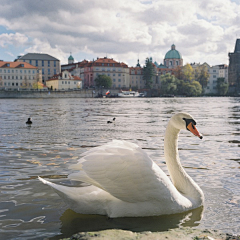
(62, 129)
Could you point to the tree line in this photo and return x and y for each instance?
(183, 81)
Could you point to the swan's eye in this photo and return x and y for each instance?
(190, 121)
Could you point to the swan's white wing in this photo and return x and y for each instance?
(125, 171)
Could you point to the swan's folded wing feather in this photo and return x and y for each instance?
(124, 170)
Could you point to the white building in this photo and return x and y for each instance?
(215, 72)
(64, 81)
(19, 75)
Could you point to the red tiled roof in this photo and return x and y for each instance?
(55, 77)
(16, 65)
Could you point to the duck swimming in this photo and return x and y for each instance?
(125, 182)
(111, 121)
(29, 121)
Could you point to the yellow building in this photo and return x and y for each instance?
(64, 81)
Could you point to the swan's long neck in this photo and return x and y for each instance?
(181, 180)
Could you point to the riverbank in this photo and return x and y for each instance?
(173, 234)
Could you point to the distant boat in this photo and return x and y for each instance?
(127, 94)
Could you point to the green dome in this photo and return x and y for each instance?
(70, 57)
(173, 54)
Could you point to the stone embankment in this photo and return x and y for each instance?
(83, 93)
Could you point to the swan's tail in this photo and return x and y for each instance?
(81, 199)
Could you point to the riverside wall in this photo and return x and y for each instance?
(84, 93)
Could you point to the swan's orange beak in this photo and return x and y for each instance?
(192, 128)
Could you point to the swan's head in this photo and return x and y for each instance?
(184, 121)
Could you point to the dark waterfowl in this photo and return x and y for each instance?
(29, 121)
(111, 121)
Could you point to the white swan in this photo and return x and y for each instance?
(125, 182)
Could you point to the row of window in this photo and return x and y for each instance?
(18, 77)
(49, 71)
(119, 74)
(17, 71)
(5, 84)
(38, 63)
(67, 82)
(108, 69)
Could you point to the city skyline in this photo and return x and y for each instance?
(203, 31)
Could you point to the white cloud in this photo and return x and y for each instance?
(15, 39)
(201, 30)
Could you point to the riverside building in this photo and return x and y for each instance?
(19, 75)
(47, 64)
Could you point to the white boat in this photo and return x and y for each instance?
(128, 94)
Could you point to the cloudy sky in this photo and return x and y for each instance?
(202, 30)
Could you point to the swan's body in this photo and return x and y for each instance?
(125, 182)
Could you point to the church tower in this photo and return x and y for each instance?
(70, 59)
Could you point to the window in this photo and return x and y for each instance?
(16, 84)
(119, 80)
(214, 70)
(43, 71)
(65, 82)
(68, 82)
(8, 70)
(30, 61)
(48, 63)
(54, 63)
(62, 82)
(42, 63)
(119, 74)
(214, 76)
(48, 71)
(114, 80)
(36, 63)
(55, 71)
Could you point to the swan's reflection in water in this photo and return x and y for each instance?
(74, 222)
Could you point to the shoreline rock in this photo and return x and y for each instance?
(173, 234)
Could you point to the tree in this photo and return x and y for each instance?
(202, 75)
(148, 73)
(169, 84)
(222, 86)
(187, 73)
(103, 81)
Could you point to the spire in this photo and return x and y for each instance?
(138, 64)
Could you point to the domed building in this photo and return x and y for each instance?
(70, 59)
(173, 58)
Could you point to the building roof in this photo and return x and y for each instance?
(70, 57)
(173, 53)
(16, 65)
(37, 56)
(237, 46)
(59, 77)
